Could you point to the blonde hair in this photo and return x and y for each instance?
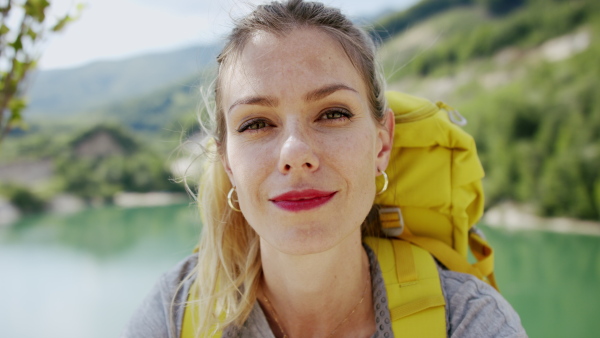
(229, 269)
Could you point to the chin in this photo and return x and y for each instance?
(311, 240)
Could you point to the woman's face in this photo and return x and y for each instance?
(302, 147)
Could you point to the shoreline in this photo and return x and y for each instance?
(509, 216)
(65, 204)
(515, 217)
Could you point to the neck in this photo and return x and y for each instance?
(318, 294)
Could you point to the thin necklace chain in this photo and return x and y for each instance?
(337, 327)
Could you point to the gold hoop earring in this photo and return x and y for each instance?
(385, 182)
(230, 200)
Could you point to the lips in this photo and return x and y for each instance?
(300, 200)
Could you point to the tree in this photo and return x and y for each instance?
(502, 7)
(23, 27)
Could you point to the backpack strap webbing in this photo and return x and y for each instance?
(413, 287)
(450, 258)
(190, 315)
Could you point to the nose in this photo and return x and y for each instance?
(297, 154)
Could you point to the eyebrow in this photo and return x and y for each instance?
(315, 95)
(323, 92)
(266, 101)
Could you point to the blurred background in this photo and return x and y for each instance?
(91, 208)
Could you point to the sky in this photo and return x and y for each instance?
(116, 29)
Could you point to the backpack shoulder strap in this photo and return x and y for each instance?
(189, 325)
(413, 288)
(189, 312)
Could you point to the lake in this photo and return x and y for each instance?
(83, 275)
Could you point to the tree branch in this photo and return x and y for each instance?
(8, 90)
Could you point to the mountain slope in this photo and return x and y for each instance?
(66, 92)
(154, 111)
(527, 83)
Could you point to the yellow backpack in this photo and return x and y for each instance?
(435, 194)
(433, 200)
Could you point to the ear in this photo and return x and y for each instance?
(386, 138)
(227, 167)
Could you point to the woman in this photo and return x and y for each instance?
(301, 131)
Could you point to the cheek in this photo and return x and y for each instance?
(249, 166)
(356, 149)
(354, 156)
(239, 165)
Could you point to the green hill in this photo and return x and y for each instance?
(527, 82)
(67, 92)
(524, 72)
(158, 109)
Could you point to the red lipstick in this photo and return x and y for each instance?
(299, 200)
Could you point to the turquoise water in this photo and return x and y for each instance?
(551, 279)
(83, 275)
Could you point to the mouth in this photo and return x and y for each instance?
(300, 200)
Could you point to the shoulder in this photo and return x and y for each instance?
(170, 280)
(475, 309)
(161, 311)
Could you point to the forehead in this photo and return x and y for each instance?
(281, 66)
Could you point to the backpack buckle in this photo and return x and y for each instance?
(477, 232)
(392, 222)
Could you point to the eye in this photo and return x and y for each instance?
(336, 114)
(253, 125)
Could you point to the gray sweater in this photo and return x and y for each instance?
(473, 308)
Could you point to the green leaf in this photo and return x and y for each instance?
(36, 9)
(17, 44)
(61, 23)
(18, 122)
(19, 69)
(4, 30)
(16, 106)
(32, 34)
